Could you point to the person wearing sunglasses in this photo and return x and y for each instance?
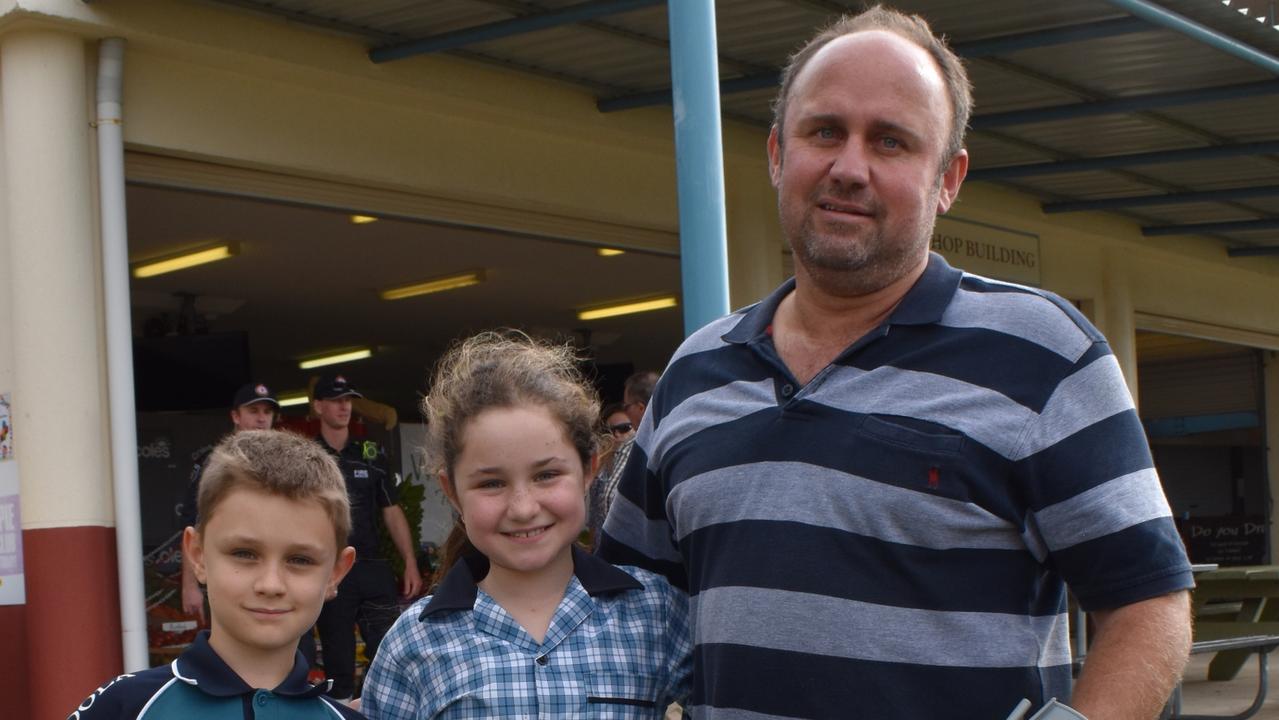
(621, 421)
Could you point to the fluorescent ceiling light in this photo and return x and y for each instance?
(638, 306)
(450, 282)
(610, 252)
(363, 219)
(294, 398)
(181, 261)
(334, 359)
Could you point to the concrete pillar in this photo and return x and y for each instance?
(1270, 410)
(1116, 315)
(58, 370)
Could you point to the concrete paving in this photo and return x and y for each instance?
(1201, 696)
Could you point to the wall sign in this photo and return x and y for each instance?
(988, 250)
(12, 583)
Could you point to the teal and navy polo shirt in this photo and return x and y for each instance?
(198, 685)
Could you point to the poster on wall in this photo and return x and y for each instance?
(12, 584)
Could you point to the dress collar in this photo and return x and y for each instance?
(457, 591)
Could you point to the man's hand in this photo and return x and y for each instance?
(1137, 656)
(397, 526)
(412, 581)
(192, 595)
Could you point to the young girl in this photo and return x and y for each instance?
(524, 623)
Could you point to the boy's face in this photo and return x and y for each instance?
(269, 563)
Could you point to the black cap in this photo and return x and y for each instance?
(330, 387)
(252, 393)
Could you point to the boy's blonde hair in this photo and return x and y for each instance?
(279, 463)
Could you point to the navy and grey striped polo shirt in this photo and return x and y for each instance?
(894, 538)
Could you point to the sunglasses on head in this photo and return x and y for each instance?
(620, 428)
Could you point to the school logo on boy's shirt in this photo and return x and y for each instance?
(361, 473)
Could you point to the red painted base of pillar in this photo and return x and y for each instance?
(72, 616)
(13, 663)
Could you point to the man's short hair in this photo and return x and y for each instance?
(639, 386)
(914, 29)
(279, 463)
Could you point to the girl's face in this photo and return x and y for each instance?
(520, 487)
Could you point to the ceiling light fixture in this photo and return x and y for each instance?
(184, 260)
(629, 308)
(440, 284)
(334, 359)
(609, 252)
(294, 398)
(363, 219)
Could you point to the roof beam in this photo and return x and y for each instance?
(974, 49)
(1110, 162)
(1164, 17)
(1002, 45)
(1271, 223)
(1253, 251)
(1125, 104)
(507, 28)
(1134, 201)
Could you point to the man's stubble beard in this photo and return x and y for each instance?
(863, 260)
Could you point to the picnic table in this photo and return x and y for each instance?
(1231, 603)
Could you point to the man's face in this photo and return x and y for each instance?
(859, 173)
(334, 413)
(254, 416)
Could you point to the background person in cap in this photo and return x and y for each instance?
(368, 594)
(252, 408)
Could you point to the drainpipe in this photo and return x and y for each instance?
(119, 330)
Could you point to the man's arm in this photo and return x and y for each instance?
(192, 595)
(398, 527)
(1137, 656)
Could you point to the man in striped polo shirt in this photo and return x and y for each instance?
(877, 482)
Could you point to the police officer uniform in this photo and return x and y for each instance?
(368, 595)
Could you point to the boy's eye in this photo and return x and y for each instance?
(302, 560)
(547, 475)
(488, 484)
(891, 143)
(242, 554)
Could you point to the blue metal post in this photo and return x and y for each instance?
(699, 159)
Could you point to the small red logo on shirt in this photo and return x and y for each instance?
(934, 478)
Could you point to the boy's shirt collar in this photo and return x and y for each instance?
(458, 589)
(201, 666)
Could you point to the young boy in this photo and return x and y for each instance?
(270, 545)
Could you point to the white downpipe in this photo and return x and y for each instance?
(115, 283)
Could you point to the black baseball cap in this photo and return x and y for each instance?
(330, 387)
(253, 393)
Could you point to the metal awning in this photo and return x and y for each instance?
(1088, 105)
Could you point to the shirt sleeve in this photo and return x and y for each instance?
(187, 513)
(678, 636)
(1098, 513)
(111, 701)
(388, 491)
(391, 690)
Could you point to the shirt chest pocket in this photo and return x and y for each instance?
(614, 696)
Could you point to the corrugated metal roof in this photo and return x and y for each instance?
(628, 53)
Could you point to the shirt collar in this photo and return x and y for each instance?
(457, 591)
(923, 303)
(201, 666)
